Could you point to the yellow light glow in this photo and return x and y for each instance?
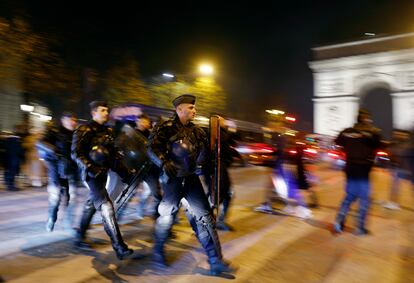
(206, 69)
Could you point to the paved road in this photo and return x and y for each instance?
(265, 248)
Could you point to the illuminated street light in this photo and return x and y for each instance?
(26, 108)
(168, 75)
(206, 69)
(275, 112)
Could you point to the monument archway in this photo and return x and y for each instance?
(377, 73)
(378, 102)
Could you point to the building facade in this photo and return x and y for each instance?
(346, 74)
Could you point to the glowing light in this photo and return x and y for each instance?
(206, 69)
(311, 150)
(275, 112)
(26, 108)
(290, 119)
(333, 154)
(168, 75)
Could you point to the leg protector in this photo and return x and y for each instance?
(112, 229)
(88, 212)
(54, 201)
(208, 237)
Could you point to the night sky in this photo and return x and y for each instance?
(261, 49)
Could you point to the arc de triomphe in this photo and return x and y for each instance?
(345, 73)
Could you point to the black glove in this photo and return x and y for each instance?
(169, 168)
(95, 171)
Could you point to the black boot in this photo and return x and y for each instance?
(87, 214)
(112, 229)
(208, 237)
(339, 224)
(163, 227)
(220, 266)
(222, 226)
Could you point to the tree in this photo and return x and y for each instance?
(122, 84)
(164, 93)
(211, 97)
(28, 62)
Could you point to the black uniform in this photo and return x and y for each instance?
(13, 156)
(181, 151)
(93, 149)
(55, 148)
(152, 180)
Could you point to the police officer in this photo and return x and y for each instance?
(55, 148)
(151, 179)
(93, 149)
(359, 143)
(179, 148)
(228, 153)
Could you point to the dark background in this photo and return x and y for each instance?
(260, 49)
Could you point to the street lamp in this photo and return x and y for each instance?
(206, 69)
(26, 108)
(167, 75)
(275, 112)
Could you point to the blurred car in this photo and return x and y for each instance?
(382, 159)
(310, 152)
(256, 153)
(335, 157)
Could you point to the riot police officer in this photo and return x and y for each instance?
(179, 148)
(151, 179)
(93, 149)
(55, 148)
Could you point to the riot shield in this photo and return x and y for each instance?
(132, 146)
(215, 151)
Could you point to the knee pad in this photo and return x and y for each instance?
(107, 209)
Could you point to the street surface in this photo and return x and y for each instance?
(264, 248)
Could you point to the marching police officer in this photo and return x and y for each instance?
(180, 149)
(359, 143)
(93, 149)
(151, 179)
(55, 147)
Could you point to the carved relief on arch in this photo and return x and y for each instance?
(365, 82)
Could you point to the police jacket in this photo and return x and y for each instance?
(360, 144)
(88, 136)
(55, 147)
(185, 145)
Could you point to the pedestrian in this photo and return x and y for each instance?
(94, 150)
(55, 148)
(400, 159)
(360, 144)
(13, 157)
(180, 149)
